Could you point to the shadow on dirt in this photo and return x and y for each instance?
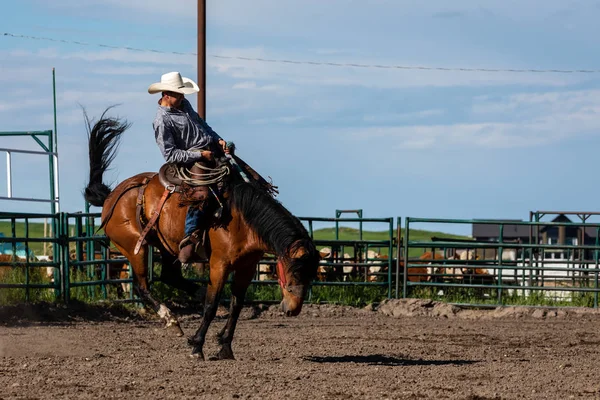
(380, 359)
(59, 314)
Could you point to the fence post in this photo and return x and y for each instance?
(405, 274)
(398, 252)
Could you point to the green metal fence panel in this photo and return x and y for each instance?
(504, 271)
(88, 260)
(82, 262)
(359, 249)
(501, 271)
(26, 273)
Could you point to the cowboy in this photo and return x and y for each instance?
(183, 138)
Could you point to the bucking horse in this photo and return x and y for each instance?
(145, 211)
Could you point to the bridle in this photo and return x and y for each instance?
(296, 290)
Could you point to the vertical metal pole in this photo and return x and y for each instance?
(596, 267)
(13, 231)
(27, 277)
(53, 158)
(405, 275)
(8, 174)
(337, 225)
(360, 226)
(500, 263)
(390, 256)
(57, 251)
(202, 58)
(398, 252)
(105, 271)
(64, 225)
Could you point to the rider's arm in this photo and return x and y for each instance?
(206, 128)
(166, 144)
(203, 125)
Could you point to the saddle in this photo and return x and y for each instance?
(170, 176)
(191, 192)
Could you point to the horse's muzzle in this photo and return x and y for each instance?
(291, 305)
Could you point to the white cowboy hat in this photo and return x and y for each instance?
(173, 82)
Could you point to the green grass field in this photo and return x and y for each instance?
(35, 230)
(353, 234)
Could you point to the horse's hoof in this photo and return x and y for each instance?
(224, 354)
(197, 354)
(176, 329)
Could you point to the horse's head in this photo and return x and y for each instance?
(295, 272)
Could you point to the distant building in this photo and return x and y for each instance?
(525, 234)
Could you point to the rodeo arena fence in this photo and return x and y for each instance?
(493, 271)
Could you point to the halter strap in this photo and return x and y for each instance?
(296, 290)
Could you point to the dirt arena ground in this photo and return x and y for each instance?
(400, 350)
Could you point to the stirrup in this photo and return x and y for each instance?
(193, 238)
(185, 242)
(197, 252)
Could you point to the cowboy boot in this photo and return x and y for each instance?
(191, 248)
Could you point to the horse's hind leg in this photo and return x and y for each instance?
(139, 265)
(172, 276)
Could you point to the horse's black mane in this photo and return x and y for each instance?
(273, 223)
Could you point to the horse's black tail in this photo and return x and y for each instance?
(103, 140)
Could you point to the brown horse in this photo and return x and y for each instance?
(252, 223)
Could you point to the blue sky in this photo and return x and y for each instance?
(444, 144)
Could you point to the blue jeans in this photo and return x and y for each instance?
(192, 220)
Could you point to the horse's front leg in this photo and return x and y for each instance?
(218, 275)
(241, 281)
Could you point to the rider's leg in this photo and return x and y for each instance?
(194, 227)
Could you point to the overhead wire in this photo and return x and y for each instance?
(322, 63)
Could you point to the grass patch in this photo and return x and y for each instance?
(18, 276)
(510, 297)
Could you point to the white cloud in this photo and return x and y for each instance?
(402, 117)
(532, 105)
(180, 8)
(538, 119)
(127, 56)
(293, 119)
(127, 70)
